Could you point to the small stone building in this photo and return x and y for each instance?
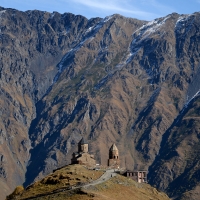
(113, 160)
(82, 156)
(138, 176)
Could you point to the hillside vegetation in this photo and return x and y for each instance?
(69, 183)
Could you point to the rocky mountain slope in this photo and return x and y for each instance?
(110, 80)
(178, 161)
(30, 50)
(73, 182)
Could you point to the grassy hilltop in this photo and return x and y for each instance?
(69, 182)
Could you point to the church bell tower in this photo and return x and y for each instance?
(83, 146)
(113, 160)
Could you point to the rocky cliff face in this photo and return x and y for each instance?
(110, 80)
(31, 45)
(178, 161)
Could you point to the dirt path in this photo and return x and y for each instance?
(106, 176)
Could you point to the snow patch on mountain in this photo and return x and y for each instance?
(184, 24)
(89, 29)
(131, 55)
(181, 20)
(88, 36)
(2, 12)
(197, 93)
(118, 67)
(143, 33)
(99, 25)
(148, 29)
(106, 19)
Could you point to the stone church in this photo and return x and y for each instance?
(113, 160)
(82, 156)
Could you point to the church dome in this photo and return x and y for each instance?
(83, 141)
(113, 148)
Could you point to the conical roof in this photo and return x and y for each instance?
(83, 141)
(113, 148)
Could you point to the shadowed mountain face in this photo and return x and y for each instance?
(178, 163)
(113, 80)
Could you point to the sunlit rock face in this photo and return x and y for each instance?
(112, 80)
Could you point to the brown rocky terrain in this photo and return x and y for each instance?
(178, 162)
(110, 80)
(31, 45)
